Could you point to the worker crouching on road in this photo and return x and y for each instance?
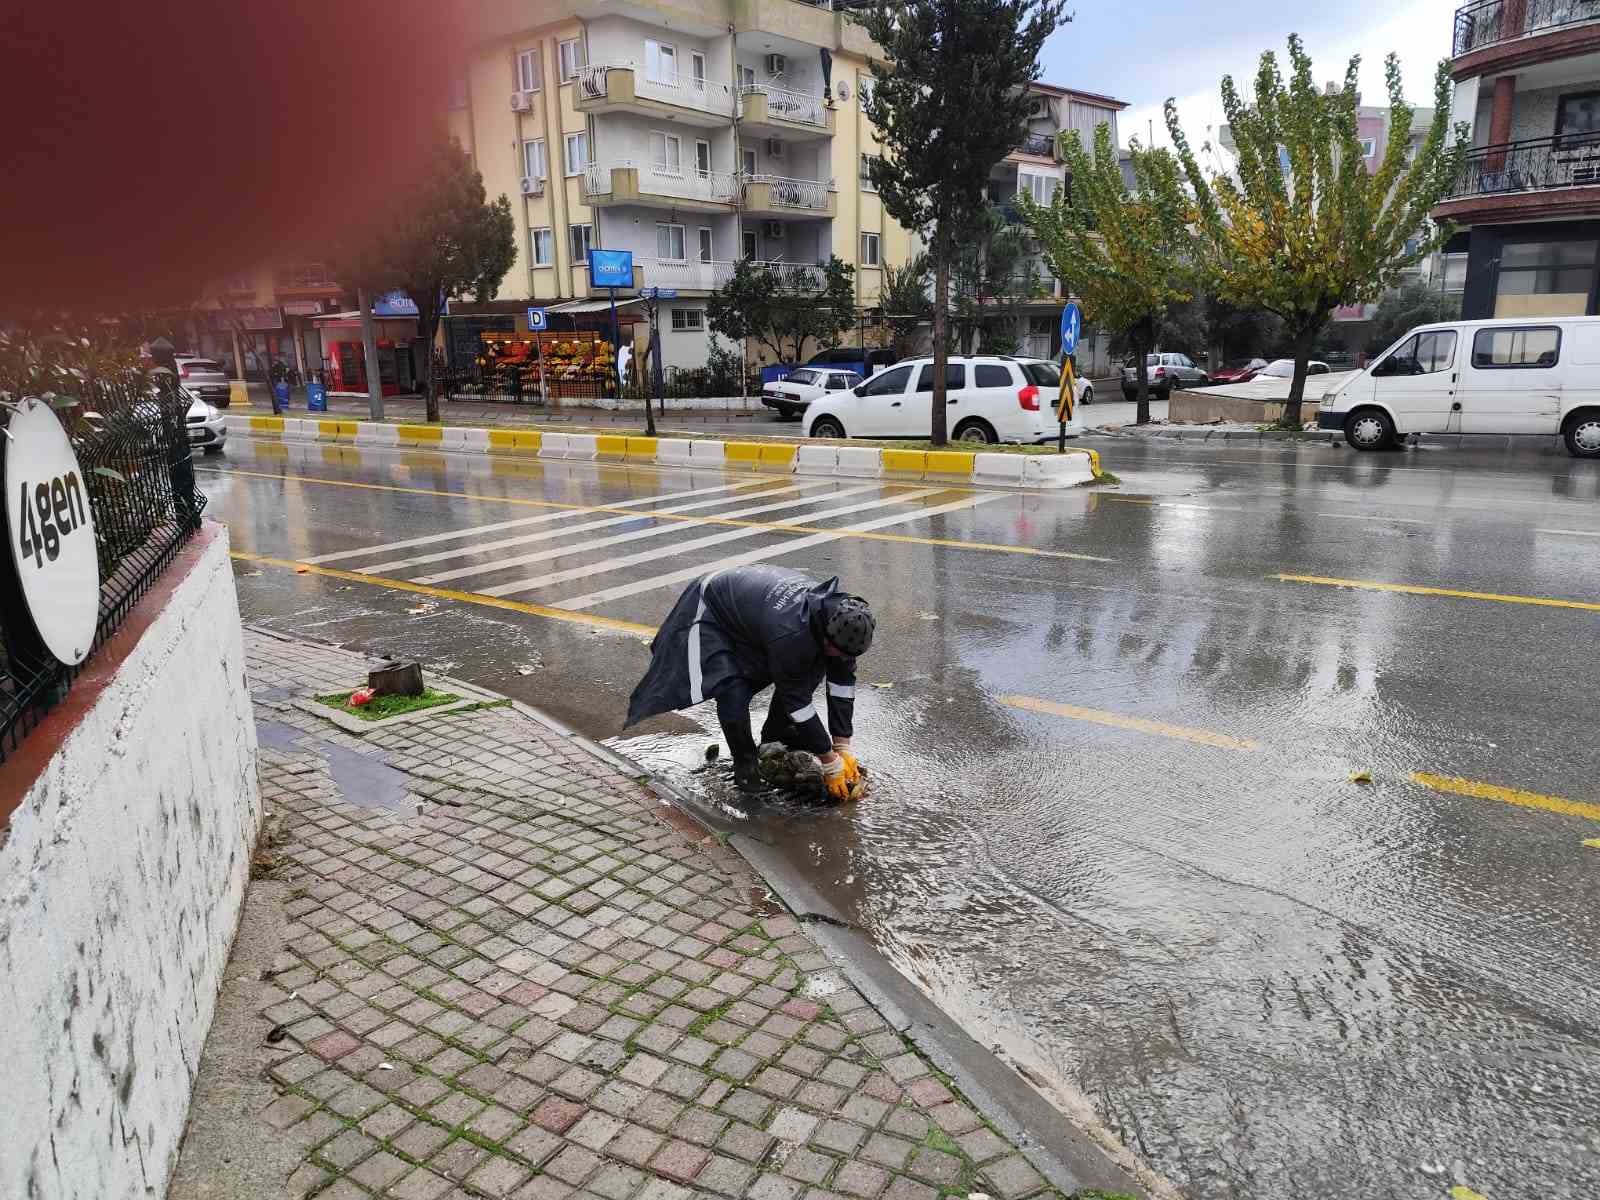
(733, 633)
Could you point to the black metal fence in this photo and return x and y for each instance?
(1532, 165)
(132, 443)
(1490, 21)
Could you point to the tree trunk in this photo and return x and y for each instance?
(1297, 386)
(369, 349)
(1144, 335)
(941, 351)
(428, 325)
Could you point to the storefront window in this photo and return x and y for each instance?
(1545, 279)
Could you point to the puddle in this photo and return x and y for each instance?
(364, 779)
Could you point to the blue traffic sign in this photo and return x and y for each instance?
(659, 293)
(611, 268)
(538, 320)
(1071, 323)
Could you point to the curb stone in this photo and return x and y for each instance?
(1079, 466)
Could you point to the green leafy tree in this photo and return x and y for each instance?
(904, 301)
(1126, 254)
(1406, 308)
(441, 237)
(994, 277)
(1301, 241)
(784, 309)
(948, 101)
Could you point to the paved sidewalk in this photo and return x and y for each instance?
(497, 970)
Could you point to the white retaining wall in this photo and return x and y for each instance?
(121, 883)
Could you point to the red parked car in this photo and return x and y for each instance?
(1241, 370)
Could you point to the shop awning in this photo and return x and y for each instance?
(588, 306)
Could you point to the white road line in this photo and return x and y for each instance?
(400, 564)
(1376, 520)
(434, 538)
(564, 551)
(621, 591)
(714, 539)
(1571, 532)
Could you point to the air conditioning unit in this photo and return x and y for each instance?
(521, 101)
(772, 229)
(532, 186)
(777, 64)
(1039, 107)
(774, 147)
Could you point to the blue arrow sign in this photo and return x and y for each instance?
(538, 320)
(659, 293)
(1071, 323)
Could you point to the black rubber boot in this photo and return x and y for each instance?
(747, 773)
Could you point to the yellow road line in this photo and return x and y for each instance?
(1489, 791)
(774, 527)
(1204, 737)
(1414, 589)
(439, 593)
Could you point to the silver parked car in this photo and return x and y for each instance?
(1166, 370)
(205, 377)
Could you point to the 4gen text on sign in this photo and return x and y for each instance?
(50, 529)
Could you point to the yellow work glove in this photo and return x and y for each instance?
(836, 778)
(852, 766)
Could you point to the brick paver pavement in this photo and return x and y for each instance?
(524, 983)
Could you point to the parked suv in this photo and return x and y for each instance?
(989, 398)
(205, 377)
(1166, 371)
(853, 358)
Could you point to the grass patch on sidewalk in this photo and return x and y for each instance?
(387, 706)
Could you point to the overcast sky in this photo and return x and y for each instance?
(1160, 48)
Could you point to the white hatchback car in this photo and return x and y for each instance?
(791, 394)
(989, 398)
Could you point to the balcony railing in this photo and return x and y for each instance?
(708, 95)
(658, 179)
(708, 276)
(1038, 143)
(1538, 164)
(1487, 22)
(790, 105)
(796, 193)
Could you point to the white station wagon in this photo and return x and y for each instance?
(989, 398)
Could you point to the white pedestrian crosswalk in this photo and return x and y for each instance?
(685, 531)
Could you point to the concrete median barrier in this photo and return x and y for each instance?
(1076, 467)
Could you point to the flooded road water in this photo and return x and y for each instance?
(1114, 827)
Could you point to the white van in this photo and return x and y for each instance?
(1524, 376)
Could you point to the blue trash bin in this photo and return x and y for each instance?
(316, 397)
(281, 391)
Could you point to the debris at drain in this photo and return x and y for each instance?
(801, 773)
(712, 751)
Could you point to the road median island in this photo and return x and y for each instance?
(1027, 467)
(534, 970)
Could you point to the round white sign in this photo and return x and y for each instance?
(51, 531)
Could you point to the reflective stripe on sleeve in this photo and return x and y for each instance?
(801, 715)
(845, 691)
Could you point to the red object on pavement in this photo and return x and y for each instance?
(360, 696)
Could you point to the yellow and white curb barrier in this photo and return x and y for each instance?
(1032, 471)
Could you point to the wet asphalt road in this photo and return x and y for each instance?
(1166, 902)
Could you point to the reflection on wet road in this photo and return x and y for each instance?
(1115, 825)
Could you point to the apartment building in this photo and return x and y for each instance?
(694, 133)
(1034, 168)
(1527, 76)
